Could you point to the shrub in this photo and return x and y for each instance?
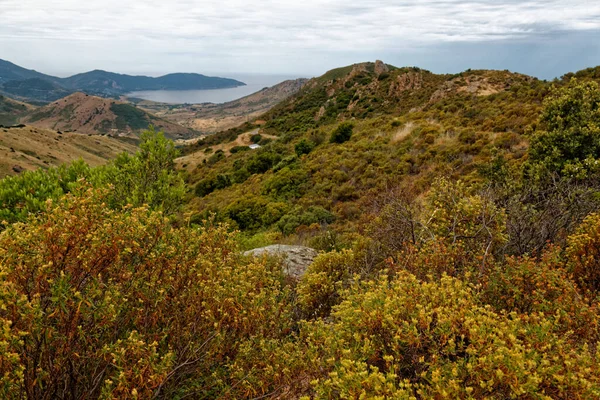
(27, 193)
(204, 187)
(240, 175)
(148, 177)
(402, 338)
(542, 287)
(215, 158)
(118, 304)
(319, 288)
(256, 138)
(286, 183)
(471, 221)
(298, 217)
(248, 212)
(583, 250)
(342, 133)
(262, 162)
(303, 147)
(237, 149)
(571, 117)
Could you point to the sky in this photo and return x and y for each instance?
(543, 38)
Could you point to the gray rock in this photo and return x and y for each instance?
(296, 259)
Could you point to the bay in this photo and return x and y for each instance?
(254, 83)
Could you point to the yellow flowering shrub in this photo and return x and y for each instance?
(319, 288)
(404, 338)
(543, 287)
(583, 252)
(99, 303)
(456, 216)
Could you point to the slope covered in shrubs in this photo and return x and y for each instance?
(455, 263)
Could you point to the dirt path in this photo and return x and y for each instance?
(190, 161)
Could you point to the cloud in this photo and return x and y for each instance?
(267, 34)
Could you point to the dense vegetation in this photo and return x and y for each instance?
(459, 256)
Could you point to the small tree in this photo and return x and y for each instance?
(148, 177)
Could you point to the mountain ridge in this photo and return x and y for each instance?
(26, 84)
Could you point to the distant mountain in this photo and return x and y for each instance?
(83, 113)
(11, 72)
(108, 83)
(25, 84)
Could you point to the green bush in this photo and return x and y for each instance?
(237, 149)
(303, 147)
(342, 133)
(298, 217)
(256, 138)
(262, 162)
(570, 143)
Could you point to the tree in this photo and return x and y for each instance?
(148, 177)
(570, 143)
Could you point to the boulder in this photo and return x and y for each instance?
(296, 259)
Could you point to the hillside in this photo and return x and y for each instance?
(30, 148)
(211, 118)
(35, 89)
(87, 114)
(25, 84)
(408, 127)
(11, 110)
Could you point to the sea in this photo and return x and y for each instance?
(254, 83)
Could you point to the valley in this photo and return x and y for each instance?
(211, 118)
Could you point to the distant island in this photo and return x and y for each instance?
(25, 84)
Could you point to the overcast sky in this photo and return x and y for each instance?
(544, 38)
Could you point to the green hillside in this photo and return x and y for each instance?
(10, 111)
(409, 127)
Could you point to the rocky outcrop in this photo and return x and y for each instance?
(296, 259)
(381, 67)
(405, 82)
(320, 113)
